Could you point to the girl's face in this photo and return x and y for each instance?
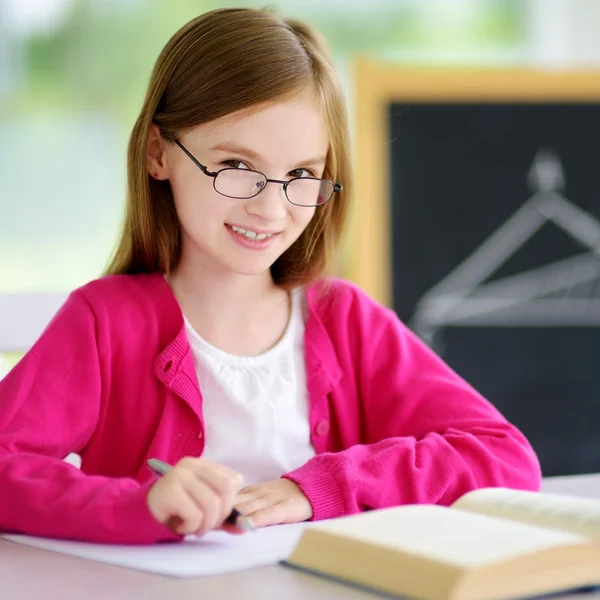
(283, 140)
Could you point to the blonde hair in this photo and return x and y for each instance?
(218, 63)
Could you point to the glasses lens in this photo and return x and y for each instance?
(239, 183)
(307, 191)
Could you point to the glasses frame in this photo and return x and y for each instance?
(337, 187)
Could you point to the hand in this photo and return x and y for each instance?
(273, 503)
(195, 496)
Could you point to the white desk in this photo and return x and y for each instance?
(28, 573)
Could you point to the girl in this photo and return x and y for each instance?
(213, 344)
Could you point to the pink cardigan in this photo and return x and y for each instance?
(112, 378)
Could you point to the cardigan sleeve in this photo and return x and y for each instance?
(428, 436)
(49, 407)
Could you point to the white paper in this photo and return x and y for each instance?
(216, 552)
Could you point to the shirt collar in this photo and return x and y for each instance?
(322, 366)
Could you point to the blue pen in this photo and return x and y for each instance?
(235, 518)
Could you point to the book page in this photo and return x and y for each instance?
(216, 552)
(568, 513)
(453, 537)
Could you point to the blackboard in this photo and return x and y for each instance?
(490, 212)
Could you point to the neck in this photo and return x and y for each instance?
(227, 295)
(243, 315)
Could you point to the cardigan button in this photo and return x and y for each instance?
(322, 428)
(168, 366)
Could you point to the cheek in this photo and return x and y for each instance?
(194, 199)
(302, 216)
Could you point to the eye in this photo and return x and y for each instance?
(302, 173)
(235, 164)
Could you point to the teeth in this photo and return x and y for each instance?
(251, 235)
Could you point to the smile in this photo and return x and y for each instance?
(250, 239)
(251, 235)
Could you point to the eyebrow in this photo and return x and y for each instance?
(235, 149)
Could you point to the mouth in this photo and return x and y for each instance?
(250, 238)
(255, 236)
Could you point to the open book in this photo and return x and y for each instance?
(491, 543)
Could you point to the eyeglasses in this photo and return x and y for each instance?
(243, 184)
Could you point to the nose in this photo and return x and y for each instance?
(270, 204)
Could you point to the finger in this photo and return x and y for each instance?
(240, 498)
(252, 492)
(224, 482)
(220, 477)
(182, 513)
(208, 502)
(205, 468)
(273, 514)
(249, 507)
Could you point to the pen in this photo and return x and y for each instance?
(235, 518)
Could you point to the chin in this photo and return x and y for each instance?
(249, 262)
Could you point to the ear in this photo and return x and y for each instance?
(156, 154)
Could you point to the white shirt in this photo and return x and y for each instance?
(256, 407)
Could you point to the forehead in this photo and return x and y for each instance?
(279, 129)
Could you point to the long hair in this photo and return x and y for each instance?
(218, 63)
